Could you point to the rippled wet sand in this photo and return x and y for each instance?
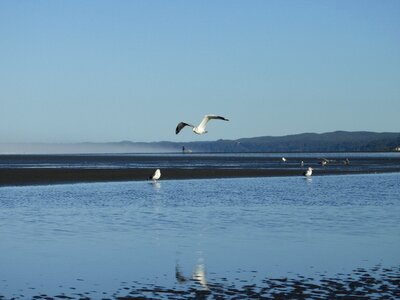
(375, 283)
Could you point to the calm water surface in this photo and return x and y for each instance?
(100, 239)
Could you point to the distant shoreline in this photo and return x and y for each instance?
(293, 152)
(337, 141)
(47, 176)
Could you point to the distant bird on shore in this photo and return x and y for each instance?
(346, 162)
(201, 128)
(302, 163)
(156, 175)
(283, 159)
(308, 173)
(324, 162)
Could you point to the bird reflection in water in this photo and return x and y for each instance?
(178, 274)
(156, 185)
(199, 274)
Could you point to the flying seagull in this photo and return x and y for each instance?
(201, 128)
(308, 173)
(156, 175)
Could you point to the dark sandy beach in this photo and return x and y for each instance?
(39, 176)
(52, 176)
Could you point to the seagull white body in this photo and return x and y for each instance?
(308, 173)
(283, 159)
(201, 128)
(156, 175)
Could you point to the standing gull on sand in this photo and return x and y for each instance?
(324, 162)
(156, 175)
(201, 128)
(308, 173)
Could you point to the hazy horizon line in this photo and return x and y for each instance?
(190, 141)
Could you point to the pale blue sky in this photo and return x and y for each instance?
(73, 71)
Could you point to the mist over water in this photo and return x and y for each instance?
(109, 239)
(82, 148)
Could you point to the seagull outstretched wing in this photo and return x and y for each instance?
(180, 126)
(207, 118)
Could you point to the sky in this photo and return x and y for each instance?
(107, 71)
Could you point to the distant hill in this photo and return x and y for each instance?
(332, 141)
(338, 141)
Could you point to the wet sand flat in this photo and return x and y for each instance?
(32, 176)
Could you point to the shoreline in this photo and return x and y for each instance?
(47, 176)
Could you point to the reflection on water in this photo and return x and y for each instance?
(179, 275)
(156, 185)
(214, 237)
(199, 274)
(308, 179)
